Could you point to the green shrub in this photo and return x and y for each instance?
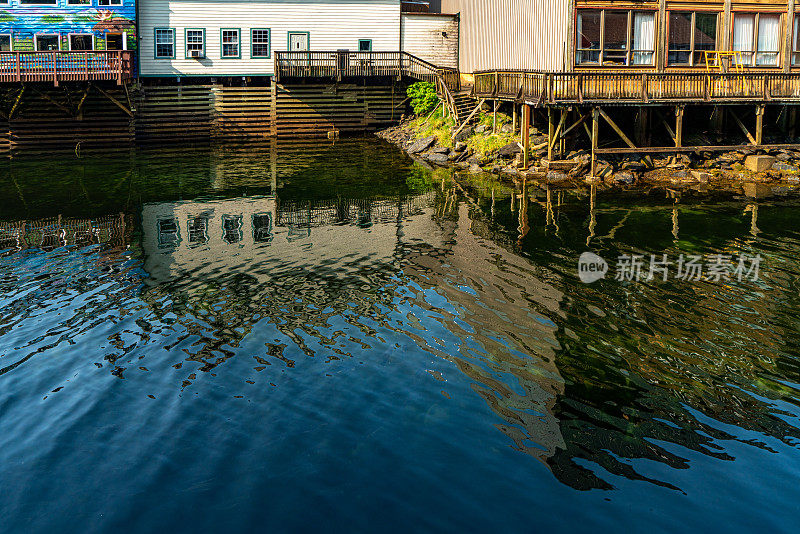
(423, 97)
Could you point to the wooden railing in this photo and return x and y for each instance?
(343, 64)
(57, 66)
(607, 87)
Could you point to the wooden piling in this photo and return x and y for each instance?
(679, 126)
(526, 137)
(551, 128)
(595, 133)
(760, 124)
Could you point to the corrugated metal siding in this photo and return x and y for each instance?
(433, 38)
(332, 24)
(511, 34)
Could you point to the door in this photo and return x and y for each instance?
(298, 41)
(115, 41)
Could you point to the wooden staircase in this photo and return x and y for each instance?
(463, 104)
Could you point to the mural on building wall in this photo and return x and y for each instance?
(68, 26)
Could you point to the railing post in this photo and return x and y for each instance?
(86, 64)
(55, 68)
(580, 87)
(19, 67)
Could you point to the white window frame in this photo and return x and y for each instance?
(121, 34)
(104, 3)
(186, 41)
(36, 41)
(69, 40)
(269, 43)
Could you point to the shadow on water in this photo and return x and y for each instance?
(181, 263)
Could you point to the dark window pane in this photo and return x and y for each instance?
(588, 37)
(615, 49)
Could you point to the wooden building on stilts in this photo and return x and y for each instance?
(667, 62)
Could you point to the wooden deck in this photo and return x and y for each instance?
(339, 65)
(626, 88)
(60, 66)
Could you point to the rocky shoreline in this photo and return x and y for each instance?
(750, 170)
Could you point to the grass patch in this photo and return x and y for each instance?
(437, 126)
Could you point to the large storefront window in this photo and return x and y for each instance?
(796, 41)
(612, 37)
(691, 35)
(757, 37)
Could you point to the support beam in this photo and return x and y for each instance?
(744, 129)
(616, 128)
(679, 126)
(16, 103)
(526, 137)
(760, 123)
(494, 117)
(551, 128)
(556, 136)
(595, 133)
(514, 118)
(114, 101)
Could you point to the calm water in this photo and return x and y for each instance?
(330, 337)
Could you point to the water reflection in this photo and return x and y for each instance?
(296, 256)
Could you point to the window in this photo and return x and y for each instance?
(81, 42)
(109, 2)
(168, 233)
(690, 36)
(165, 43)
(5, 43)
(611, 37)
(365, 45)
(262, 228)
(260, 42)
(79, 2)
(195, 43)
(796, 41)
(230, 43)
(46, 42)
(45, 2)
(231, 228)
(198, 230)
(115, 41)
(757, 37)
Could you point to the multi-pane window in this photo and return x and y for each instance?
(260, 42)
(165, 43)
(78, 2)
(757, 37)
(690, 36)
(195, 43)
(45, 2)
(365, 45)
(232, 228)
(169, 234)
(5, 43)
(81, 42)
(109, 2)
(198, 230)
(796, 41)
(230, 43)
(47, 42)
(613, 37)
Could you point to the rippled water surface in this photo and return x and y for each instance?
(333, 337)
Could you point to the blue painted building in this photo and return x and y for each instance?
(67, 25)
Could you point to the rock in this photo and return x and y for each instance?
(437, 158)
(635, 166)
(506, 128)
(681, 177)
(441, 150)
(784, 167)
(783, 155)
(754, 190)
(481, 128)
(759, 163)
(421, 145)
(624, 178)
(676, 166)
(460, 146)
(464, 134)
(554, 177)
(558, 165)
(603, 169)
(593, 180)
(702, 176)
(509, 151)
(475, 169)
(730, 157)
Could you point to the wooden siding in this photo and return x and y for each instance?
(512, 34)
(316, 110)
(332, 25)
(431, 37)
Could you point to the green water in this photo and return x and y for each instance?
(332, 336)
